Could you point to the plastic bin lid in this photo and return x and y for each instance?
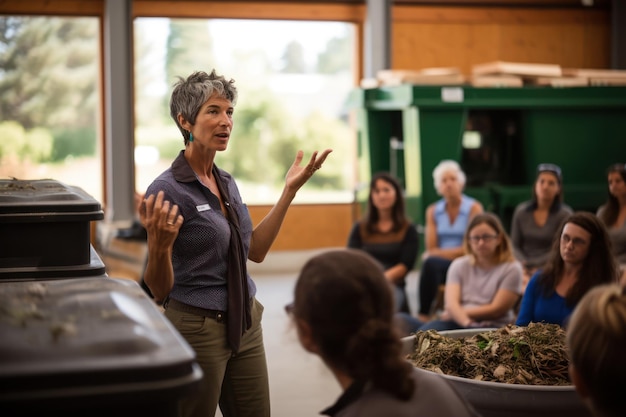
(46, 196)
(67, 339)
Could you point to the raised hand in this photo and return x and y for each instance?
(298, 175)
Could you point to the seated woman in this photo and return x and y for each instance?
(580, 259)
(482, 287)
(446, 221)
(387, 234)
(536, 222)
(613, 213)
(596, 337)
(342, 310)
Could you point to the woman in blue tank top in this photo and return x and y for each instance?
(446, 221)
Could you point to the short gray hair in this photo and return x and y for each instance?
(190, 94)
(444, 166)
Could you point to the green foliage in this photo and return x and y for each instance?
(38, 144)
(49, 71)
(13, 138)
(16, 142)
(73, 142)
(316, 132)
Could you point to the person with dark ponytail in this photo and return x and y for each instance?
(343, 311)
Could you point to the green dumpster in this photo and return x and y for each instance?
(498, 135)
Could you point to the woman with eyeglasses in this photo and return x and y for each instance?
(580, 259)
(342, 310)
(482, 287)
(613, 213)
(536, 222)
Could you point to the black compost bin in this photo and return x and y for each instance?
(95, 346)
(45, 230)
(45, 223)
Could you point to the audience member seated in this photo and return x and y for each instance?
(387, 234)
(536, 222)
(342, 311)
(596, 338)
(613, 213)
(446, 221)
(482, 287)
(580, 259)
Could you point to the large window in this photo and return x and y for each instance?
(292, 77)
(50, 100)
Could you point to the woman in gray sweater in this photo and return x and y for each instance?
(535, 222)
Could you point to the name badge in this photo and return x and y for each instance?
(203, 207)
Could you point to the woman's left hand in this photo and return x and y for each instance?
(298, 175)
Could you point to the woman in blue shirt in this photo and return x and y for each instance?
(446, 221)
(581, 258)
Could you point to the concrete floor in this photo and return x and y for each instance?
(300, 384)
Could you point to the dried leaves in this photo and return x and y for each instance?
(534, 355)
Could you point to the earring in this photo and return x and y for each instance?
(190, 136)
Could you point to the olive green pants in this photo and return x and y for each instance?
(237, 382)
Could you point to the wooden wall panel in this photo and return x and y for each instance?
(311, 226)
(427, 36)
(572, 43)
(485, 39)
(529, 43)
(596, 45)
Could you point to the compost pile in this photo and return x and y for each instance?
(533, 355)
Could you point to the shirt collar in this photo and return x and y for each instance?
(182, 170)
(348, 397)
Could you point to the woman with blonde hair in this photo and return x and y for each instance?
(596, 338)
(482, 286)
